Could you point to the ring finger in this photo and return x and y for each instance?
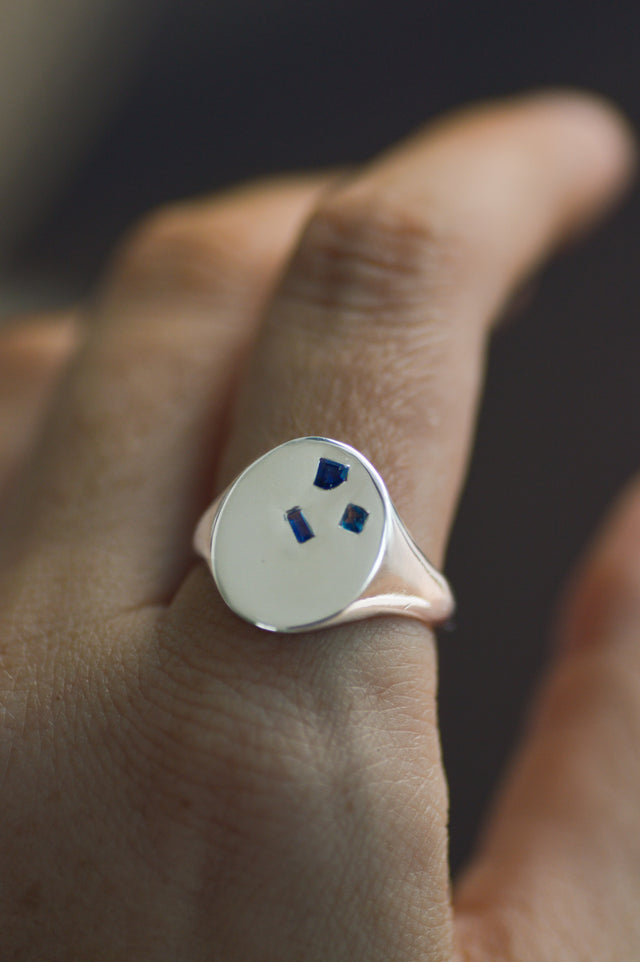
(377, 333)
(376, 338)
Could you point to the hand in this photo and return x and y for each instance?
(177, 785)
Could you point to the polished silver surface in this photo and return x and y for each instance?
(344, 555)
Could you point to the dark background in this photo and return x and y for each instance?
(227, 91)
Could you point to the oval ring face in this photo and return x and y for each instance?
(299, 534)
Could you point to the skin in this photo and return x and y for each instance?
(177, 785)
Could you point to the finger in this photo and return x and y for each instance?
(136, 424)
(375, 336)
(558, 872)
(377, 333)
(33, 353)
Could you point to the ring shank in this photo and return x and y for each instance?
(406, 582)
(203, 534)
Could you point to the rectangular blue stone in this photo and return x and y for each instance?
(330, 474)
(299, 525)
(354, 518)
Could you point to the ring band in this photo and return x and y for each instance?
(307, 536)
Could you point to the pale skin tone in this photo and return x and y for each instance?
(177, 785)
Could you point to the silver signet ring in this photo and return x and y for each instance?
(307, 536)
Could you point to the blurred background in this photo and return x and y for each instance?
(109, 107)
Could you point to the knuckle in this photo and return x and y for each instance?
(225, 768)
(182, 247)
(372, 255)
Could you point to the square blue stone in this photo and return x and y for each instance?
(354, 518)
(299, 525)
(330, 474)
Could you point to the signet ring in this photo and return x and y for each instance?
(307, 537)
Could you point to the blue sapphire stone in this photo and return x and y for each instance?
(354, 518)
(330, 474)
(299, 525)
